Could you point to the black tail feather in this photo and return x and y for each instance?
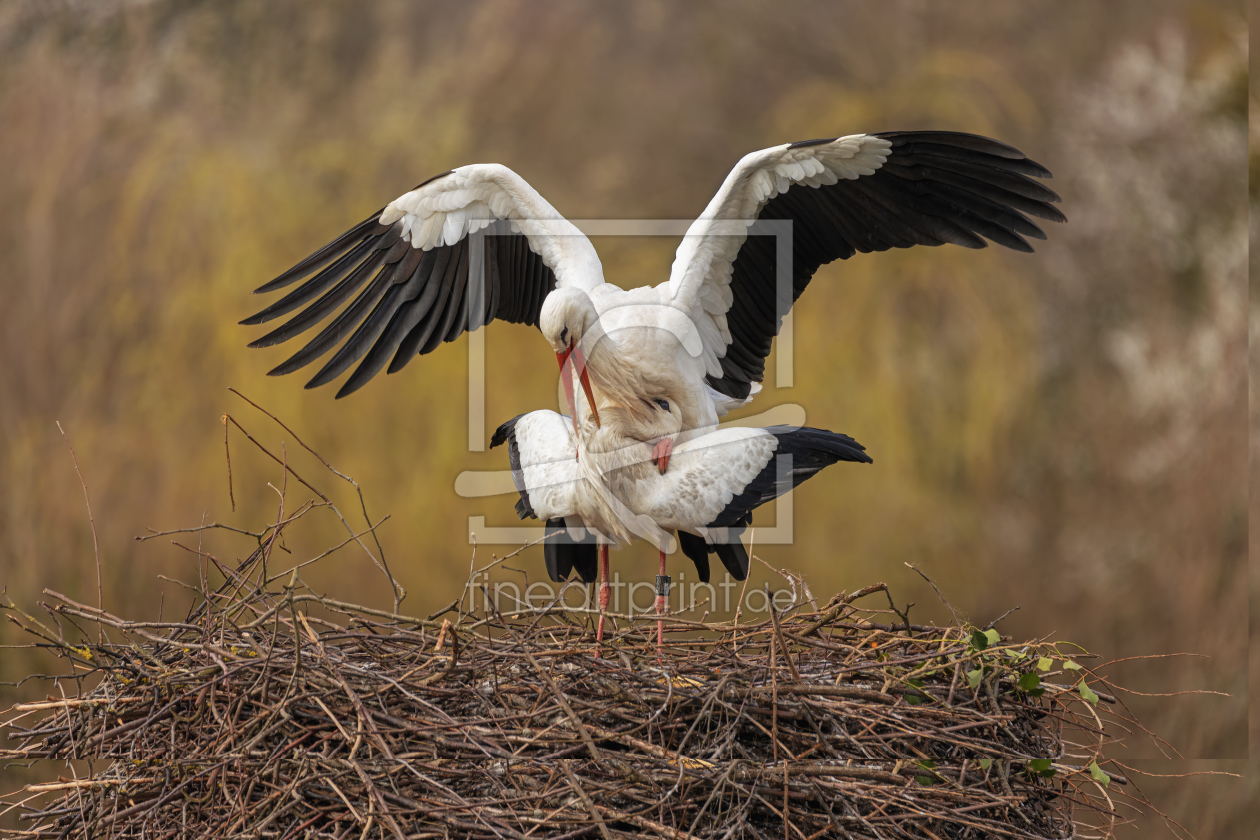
(734, 557)
(697, 550)
(563, 554)
(732, 553)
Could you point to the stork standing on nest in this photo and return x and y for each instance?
(614, 486)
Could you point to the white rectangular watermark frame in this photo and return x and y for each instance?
(490, 483)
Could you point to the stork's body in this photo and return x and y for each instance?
(612, 488)
(642, 347)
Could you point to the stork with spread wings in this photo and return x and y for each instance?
(413, 278)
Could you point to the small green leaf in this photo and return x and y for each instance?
(1029, 682)
(1069, 665)
(979, 639)
(1044, 663)
(973, 677)
(1041, 767)
(926, 765)
(912, 699)
(985, 762)
(1088, 694)
(1098, 774)
(992, 636)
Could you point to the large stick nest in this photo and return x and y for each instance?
(256, 718)
(274, 711)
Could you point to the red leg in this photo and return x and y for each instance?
(661, 608)
(605, 591)
(661, 452)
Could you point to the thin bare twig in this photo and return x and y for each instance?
(96, 548)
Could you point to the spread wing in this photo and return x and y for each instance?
(460, 250)
(846, 195)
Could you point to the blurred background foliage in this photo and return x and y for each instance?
(1064, 431)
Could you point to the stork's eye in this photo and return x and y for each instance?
(564, 335)
(664, 404)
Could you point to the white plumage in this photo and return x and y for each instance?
(443, 211)
(700, 338)
(478, 243)
(614, 484)
(607, 482)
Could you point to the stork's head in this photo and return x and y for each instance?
(567, 317)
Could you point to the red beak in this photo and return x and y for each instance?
(579, 362)
(563, 358)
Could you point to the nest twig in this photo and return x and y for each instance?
(272, 710)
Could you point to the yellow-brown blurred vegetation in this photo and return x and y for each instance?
(1066, 431)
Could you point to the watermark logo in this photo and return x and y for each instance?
(631, 598)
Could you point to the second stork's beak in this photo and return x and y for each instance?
(574, 354)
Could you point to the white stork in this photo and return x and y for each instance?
(714, 482)
(698, 340)
(410, 277)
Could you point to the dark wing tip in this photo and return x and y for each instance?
(962, 139)
(347, 389)
(271, 286)
(1051, 196)
(1036, 169)
(857, 450)
(294, 362)
(857, 454)
(1049, 212)
(976, 143)
(849, 441)
(265, 315)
